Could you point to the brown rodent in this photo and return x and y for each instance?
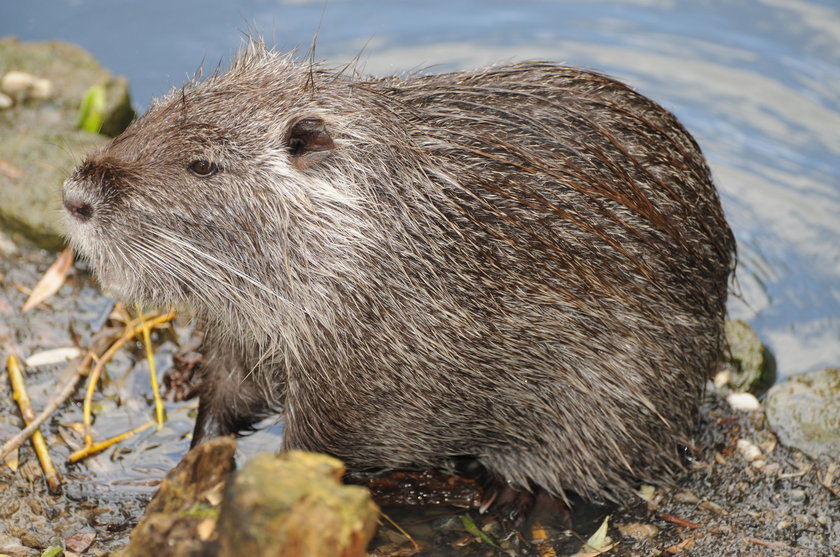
(526, 265)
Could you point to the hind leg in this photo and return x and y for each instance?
(523, 507)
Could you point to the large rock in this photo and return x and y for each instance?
(804, 411)
(180, 519)
(40, 142)
(294, 504)
(289, 505)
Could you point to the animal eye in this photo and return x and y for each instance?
(203, 168)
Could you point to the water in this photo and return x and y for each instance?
(756, 81)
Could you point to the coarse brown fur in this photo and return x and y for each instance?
(526, 265)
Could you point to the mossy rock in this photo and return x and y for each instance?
(287, 505)
(40, 142)
(749, 367)
(294, 504)
(176, 520)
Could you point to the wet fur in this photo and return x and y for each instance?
(522, 264)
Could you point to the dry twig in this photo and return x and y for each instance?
(71, 376)
(38, 442)
(102, 445)
(827, 480)
(399, 529)
(147, 341)
(132, 329)
(52, 280)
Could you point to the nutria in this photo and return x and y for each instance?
(525, 265)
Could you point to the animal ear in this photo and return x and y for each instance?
(309, 142)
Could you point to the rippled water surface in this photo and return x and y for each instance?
(756, 81)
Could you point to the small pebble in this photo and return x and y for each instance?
(7, 245)
(25, 86)
(797, 495)
(722, 378)
(772, 469)
(392, 536)
(724, 529)
(686, 497)
(743, 401)
(647, 492)
(638, 531)
(713, 507)
(6, 101)
(748, 450)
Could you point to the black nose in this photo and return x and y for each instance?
(80, 210)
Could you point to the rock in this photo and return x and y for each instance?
(12, 547)
(804, 412)
(798, 495)
(748, 450)
(748, 366)
(287, 505)
(39, 140)
(8, 247)
(638, 530)
(743, 401)
(686, 497)
(175, 519)
(294, 504)
(25, 86)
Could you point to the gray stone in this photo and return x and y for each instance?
(12, 547)
(804, 412)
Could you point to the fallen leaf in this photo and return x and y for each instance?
(540, 538)
(471, 528)
(598, 542)
(205, 529)
(52, 280)
(52, 551)
(54, 356)
(538, 533)
(597, 553)
(12, 460)
(12, 172)
(79, 543)
(599, 539)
